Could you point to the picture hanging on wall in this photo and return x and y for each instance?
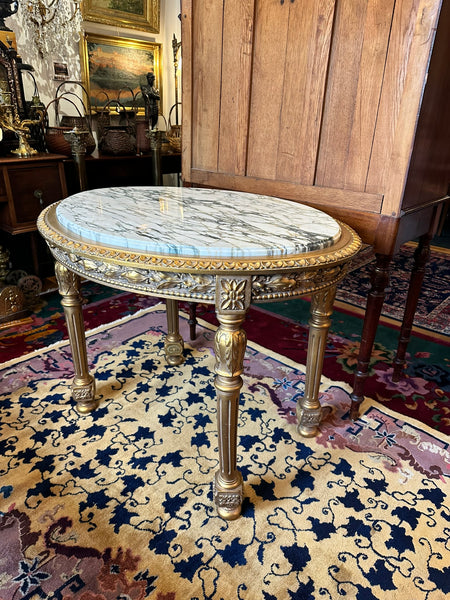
(114, 69)
(137, 14)
(60, 71)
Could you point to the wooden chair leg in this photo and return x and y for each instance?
(421, 257)
(192, 320)
(375, 299)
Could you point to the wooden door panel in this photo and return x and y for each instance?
(411, 39)
(235, 83)
(267, 84)
(308, 49)
(429, 171)
(288, 83)
(207, 26)
(358, 57)
(312, 99)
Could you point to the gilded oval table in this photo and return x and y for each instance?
(213, 246)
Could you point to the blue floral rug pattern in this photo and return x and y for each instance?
(118, 504)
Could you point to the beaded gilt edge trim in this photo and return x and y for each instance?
(47, 224)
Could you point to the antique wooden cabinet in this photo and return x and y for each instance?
(27, 185)
(340, 104)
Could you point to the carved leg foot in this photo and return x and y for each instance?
(228, 497)
(421, 257)
(375, 299)
(232, 302)
(309, 412)
(83, 385)
(173, 344)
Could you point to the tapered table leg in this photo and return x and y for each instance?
(375, 299)
(173, 343)
(232, 302)
(309, 412)
(83, 385)
(421, 257)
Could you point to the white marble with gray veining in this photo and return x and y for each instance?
(197, 222)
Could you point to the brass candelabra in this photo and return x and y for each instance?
(8, 122)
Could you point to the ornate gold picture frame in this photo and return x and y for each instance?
(112, 67)
(136, 14)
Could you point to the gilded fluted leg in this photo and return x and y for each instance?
(173, 344)
(309, 412)
(232, 302)
(83, 385)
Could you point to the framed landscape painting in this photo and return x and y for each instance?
(137, 14)
(114, 67)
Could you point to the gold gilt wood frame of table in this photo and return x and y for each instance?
(229, 284)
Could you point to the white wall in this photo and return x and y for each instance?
(43, 67)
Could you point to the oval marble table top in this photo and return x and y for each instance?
(195, 222)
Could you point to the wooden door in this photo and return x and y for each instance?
(313, 100)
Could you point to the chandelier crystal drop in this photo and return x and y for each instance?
(53, 23)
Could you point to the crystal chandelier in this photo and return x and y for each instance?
(53, 23)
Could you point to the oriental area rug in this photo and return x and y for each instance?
(422, 393)
(118, 504)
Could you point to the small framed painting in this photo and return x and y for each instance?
(60, 71)
(136, 14)
(114, 68)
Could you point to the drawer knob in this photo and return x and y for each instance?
(39, 194)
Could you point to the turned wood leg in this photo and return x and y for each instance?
(83, 385)
(192, 320)
(309, 412)
(232, 302)
(173, 343)
(375, 299)
(421, 257)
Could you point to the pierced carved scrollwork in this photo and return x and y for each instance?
(234, 292)
(289, 284)
(187, 285)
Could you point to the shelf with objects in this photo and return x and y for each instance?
(48, 152)
(30, 179)
(131, 149)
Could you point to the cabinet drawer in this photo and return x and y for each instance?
(33, 189)
(30, 188)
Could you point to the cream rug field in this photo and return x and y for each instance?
(118, 504)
